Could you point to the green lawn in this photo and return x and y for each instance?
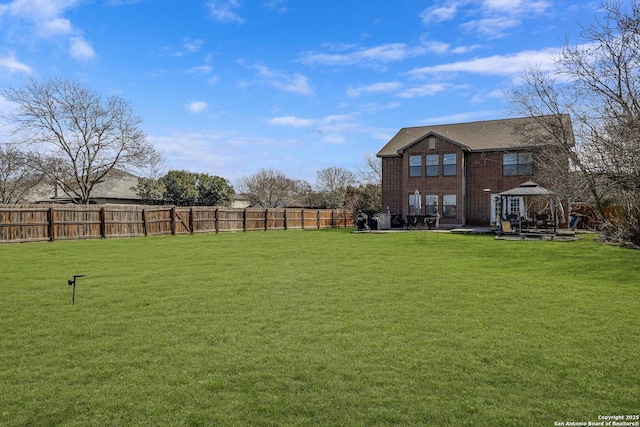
(318, 328)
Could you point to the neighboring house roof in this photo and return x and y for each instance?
(241, 201)
(115, 186)
(490, 135)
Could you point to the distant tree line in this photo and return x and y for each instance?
(335, 187)
(183, 188)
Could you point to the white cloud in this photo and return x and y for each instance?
(375, 107)
(192, 46)
(504, 65)
(222, 153)
(439, 13)
(424, 90)
(436, 46)
(5, 108)
(465, 49)
(331, 128)
(197, 151)
(223, 11)
(373, 56)
(494, 27)
(382, 87)
(44, 15)
(502, 4)
(200, 70)
(486, 18)
(292, 121)
(43, 19)
(57, 26)
(37, 10)
(296, 83)
(11, 64)
(277, 5)
(333, 138)
(520, 7)
(459, 118)
(196, 106)
(81, 49)
(188, 47)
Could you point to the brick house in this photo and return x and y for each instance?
(459, 169)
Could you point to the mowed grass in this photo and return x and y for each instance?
(318, 328)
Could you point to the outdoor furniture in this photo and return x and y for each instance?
(543, 222)
(540, 223)
(361, 221)
(397, 221)
(420, 221)
(506, 228)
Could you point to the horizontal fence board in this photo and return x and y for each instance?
(36, 223)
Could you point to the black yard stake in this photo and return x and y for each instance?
(73, 283)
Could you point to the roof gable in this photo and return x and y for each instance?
(428, 135)
(491, 135)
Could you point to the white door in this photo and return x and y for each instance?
(511, 205)
(495, 208)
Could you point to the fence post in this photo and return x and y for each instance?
(285, 219)
(52, 226)
(266, 219)
(144, 222)
(103, 225)
(244, 220)
(302, 218)
(173, 220)
(217, 220)
(318, 218)
(191, 219)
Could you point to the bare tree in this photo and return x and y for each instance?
(270, 188)
(332, 184)
(17, 179)
(370, 171)
(598, 84)
(83, 134)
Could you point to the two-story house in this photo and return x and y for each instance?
(458, 170)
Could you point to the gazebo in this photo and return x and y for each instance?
(539, 214)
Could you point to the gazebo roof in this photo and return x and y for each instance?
(528, 188)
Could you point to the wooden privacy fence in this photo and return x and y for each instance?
(34, 223)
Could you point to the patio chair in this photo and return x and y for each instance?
(506, 227)
(542, 221)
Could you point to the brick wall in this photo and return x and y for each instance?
(392, 184)
(484, 177)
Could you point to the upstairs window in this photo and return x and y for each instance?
(448, 164)
(415, 165)
(517, 164)
(433, 163)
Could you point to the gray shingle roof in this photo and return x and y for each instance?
(487, 135)
(116, 184)
(528, 188)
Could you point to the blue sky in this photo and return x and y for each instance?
(228, 87)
